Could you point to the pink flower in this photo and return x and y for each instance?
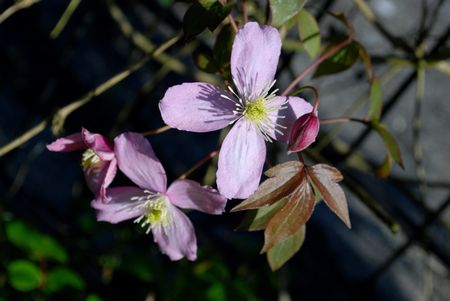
(152, 204)
(98, 160)
(258, 113)
(304, 132)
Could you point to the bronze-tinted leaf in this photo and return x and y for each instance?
(284, 179)
(257, 219)
(287, 221)
(325, 178)
(282, 252)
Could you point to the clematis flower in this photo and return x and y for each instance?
(257, 113)
(304, 132)
(152, 204)
(98, 160)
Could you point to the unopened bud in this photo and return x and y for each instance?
(303, 132)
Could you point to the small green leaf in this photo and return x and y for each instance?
(340, 61)
(279, 254)
(376, 101)
(364, 55)
(60, 278)
(389, 142)
(198, 17)
(385, 168)
(309, 32)
(204, 61)
(256, 220)
(283, 10)
(93, 297)
(222, 49)
(37, 244)
(216, 292)
(24, 275)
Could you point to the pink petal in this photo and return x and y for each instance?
(138, 162)
(109, 177)
(197, 107)
(99, 144)
(296, 107)
(70, 143)
(177, 239)
(254, 58)
(120, 207)
(241, 161)
(190, 195)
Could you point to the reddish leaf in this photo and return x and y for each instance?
(255, 220)
(291, 217)
(284, 179)
(325, 178)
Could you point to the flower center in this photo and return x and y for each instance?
(156, 211)
(90, 159)
(256, 110)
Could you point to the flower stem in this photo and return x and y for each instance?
(199, 164)
(232, 22)
(311, 67)
(342, 120)
(156, 131)
(244, 11)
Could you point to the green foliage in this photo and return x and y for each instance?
(309, 32)
(340, 61)
(203, 59)
(38, 245)
(283, 10)
(203, 14)
(376, 101)
(282, 252)
(389, 141)
(24, 275)
(93, 297)
(60, 278)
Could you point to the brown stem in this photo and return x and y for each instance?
(199, 164)
(156, 131)
(232, 22)
(244, 11)
(311, 67)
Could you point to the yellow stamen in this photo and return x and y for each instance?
(90, 159)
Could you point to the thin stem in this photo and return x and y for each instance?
(316, 95)
(342, 120)
(64, 18)
(311, 67)
(59, 117)
(199, 164)
(18, 5)
(233, 23)
(244, 11)
(157, 131)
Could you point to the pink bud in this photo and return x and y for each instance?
(303, 132)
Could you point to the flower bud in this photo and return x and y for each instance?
(303, 132)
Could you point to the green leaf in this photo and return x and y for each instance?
(60, 278)
(309, 32)
(283, 10)
(385, 168)
(278, 255)
(364, 55)
(340, 61)
(93, 297)
(37, 244)
(216, 292)
(376, 101)
(24, 275)
(222, 49)
(198, 17)
(204, 61)
(389, 141)
(256, 220)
